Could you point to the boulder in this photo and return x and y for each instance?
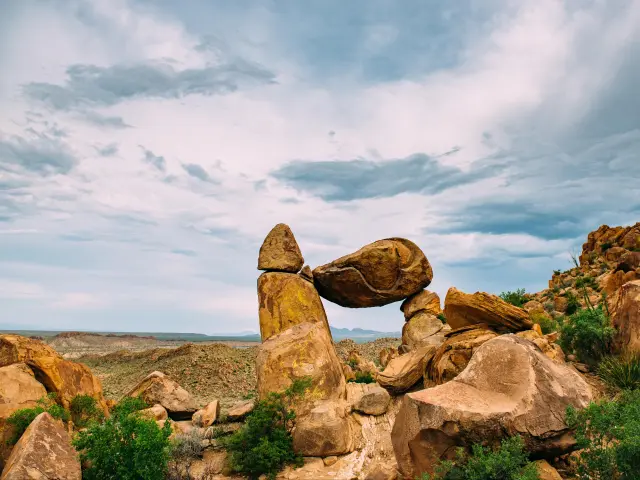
(368, 398)
(382, 272)
(424, 300)
(508, 388)
(628, 262)
(157, 413)
(386, 355)
(65, 378)
(382, 472)
(463, 309)
(240, 410)
(207, 416)
(454, 354)
(419, 329)
(305, 350)
(280, 252)
(533, 306)
(360, 364)
(550, 349)
(286, 300)
(626, 318)
(43, 452)
(325, 430)
(405, 371)
(546, 471)
(560, 304)
(157, 388)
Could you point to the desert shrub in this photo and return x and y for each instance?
(125, 446)
(549, 307)
(547, 324)
(507, 462)
(586, 281)
(608, 434)
(588, 333)
(84, 409)
(352, 363)
(573, 304)
(557, 272)
(605, 246)
(363, 377)
(442, 318)
(184, 451)
(21, 419)
(516, 298)
(264, 444)
(621, 372)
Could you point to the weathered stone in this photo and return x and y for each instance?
(533, 306)
(286, 300)
(306, 273)
(348, 372)
(386, 355)
(550, 349)
(628, 262)
(610, 283)
(509, 388)
(546, 471)
(368, 398)
(305, 350)
(65, 378)
(560, 304)
(382, 272)
(157, 388)
(240, 410)
(208, 415)
(280, 251)
(405, 371)
(331, 460)
(325, 430)
(360, 364)
(626, 318)
(463, 309)
(454, 354)
(157, 412)
(43, 452)
(422, 301)
(382, 472)
(614, 254)
(419, 329)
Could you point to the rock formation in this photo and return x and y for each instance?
(626, 318)
(207, 416)
(420, 330)
(240, 410)
(325, 430)
(280, 252)
(423, 301)
(368, 398)
(382, 272)
(157, 388)
(405, 371)
(508, 388)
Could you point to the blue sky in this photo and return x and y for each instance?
(147, 147)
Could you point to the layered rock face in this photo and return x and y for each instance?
(508, 388)
(382, 272)
(157, 388)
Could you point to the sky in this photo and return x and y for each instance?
(148, 146)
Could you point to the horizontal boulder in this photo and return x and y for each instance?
(240, 410)
(157, 388)
(405, 371)
(380, 273)
(280, 251)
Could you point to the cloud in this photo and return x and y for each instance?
(196, 171)
(100, 120)
(43, 155)
(358, 179)
(107, 150)
(157, 161)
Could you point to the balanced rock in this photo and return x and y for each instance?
(207, 416)
(306, 273)
(368, 398)
(454, 354)
(509, 388)
(65, 378)
(424, 300)
(280, 252)
(463, 309)
(157, 388)
(240, 410)
(304, 350)
(43, 452)
(382, 272)
(420, 328)
(405, 371)
(324, 431)
(285, 300)
(626, 318)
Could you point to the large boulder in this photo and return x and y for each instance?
(463, 309)
(382, 272)
(280, 252)
(304, 350)
(626, 318)
(423, 301)
(325, 430)
(550, 349)
(157, 388)
(509, 388)
(207, 416)
(43, 452)
(285, 300)
(418, 330)
(65, 378)
(368, 398)
(405, 371)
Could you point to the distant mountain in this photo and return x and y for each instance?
(360, 334)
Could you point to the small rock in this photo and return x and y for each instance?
(328, 461)
(240, 410)
(382, 472)
(306, 273)
(157, 388)
(581, 367)
(208, 415)
(546, 471)
(157, 412)
(571, 357)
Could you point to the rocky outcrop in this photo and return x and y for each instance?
(157, 388)
(550, 349)
(368, 398)
(605, 238)
(463, 309)
(386, 355)
(325, 430)
(423, 301)
(207, 416)
(240, 410)
(626, 318)
(65, 378)
(419, 329)
(280, 252)
(508, 388)
(405, 371)
(285, 300)
(382, 272)
(360, 364)
(43, 452)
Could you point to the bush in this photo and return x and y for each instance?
(605, 246)
(507, 462)
(547, 324)
(608, 433)
(583, 282)
(573, 304)
(125, 446)
(21, 419)
(264, 444)
(588, 333)
(185, 450)
(84, 410)
(622, 373)
(516, 298)
(363, 377)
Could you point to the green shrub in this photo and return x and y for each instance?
(363, 377)
(547, 324)
(264, 444)
(573, 304)
(557, 272)
(184, 451)
(353, 364)
(84, 409)
(516, 298)
(507, 462)
(587, 281)
(622, 373)
(125, 446)
(588, 333)
(442, 318)
(21, 419)
(608, 434)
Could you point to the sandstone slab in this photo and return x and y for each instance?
(405, 371)
(368, 398)
(157, 388)
(280, 251)
(157, 413)
(240, 410)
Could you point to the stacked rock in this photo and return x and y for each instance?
(422, 323)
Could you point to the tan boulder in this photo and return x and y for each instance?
(405, 371)
(208, 415)
(360, 364)
(325, 430)
(382, 272)
(240, 410)
(628, 262)
(453, 356)
(157, 413)
(382, 472)
(280, 251)
(43, 452)
(157, 388)
(560, 304)
(419, 329)
(386, 355)
(463, 309)
(626, 318)
(348, 372)
(550, 349)
(305, 350)
(509, 388)
(286, 300)
(614, 254)
(546, 471)
(610, 283)
(422, 301)
(65, 378)
(533, 306)
(368, 398)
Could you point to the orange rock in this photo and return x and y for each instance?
(280, 251)
(422, 301)
(626, 318)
